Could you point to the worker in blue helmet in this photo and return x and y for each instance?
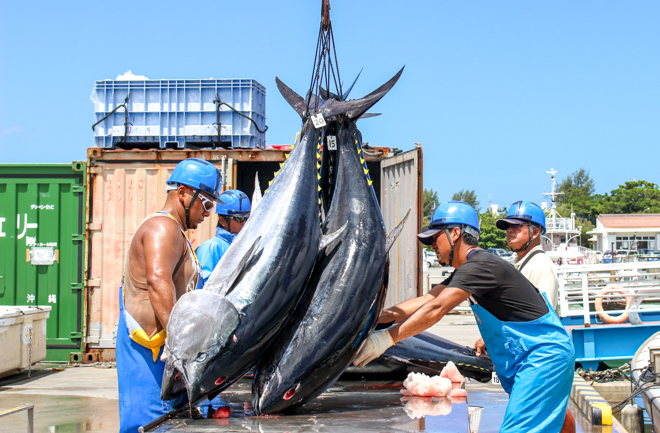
(530, 349)
(233, 210)
(525, 225)
(160, 267)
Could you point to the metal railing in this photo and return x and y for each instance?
(582, 287)
(29, 407)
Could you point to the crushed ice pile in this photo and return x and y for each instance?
(448, 384)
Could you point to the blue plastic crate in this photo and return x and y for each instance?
(180, 113)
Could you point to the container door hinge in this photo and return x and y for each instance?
(76, 335)
(94, 226)
(96, 170)
(77, 237)
(78, 188)
(94, 282)
(76, 286)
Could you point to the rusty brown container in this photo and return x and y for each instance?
(127, 185)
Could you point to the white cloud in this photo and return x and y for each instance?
(7, 131)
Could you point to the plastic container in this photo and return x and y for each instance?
(179, 113)
(22, 337)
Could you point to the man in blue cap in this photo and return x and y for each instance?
(160, 267)
(233, 210)
(530, 349)
(525, 225)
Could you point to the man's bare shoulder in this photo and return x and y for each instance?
(159, 230)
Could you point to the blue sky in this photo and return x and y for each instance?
(497, 92)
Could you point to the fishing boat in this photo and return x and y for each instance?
(645, 363)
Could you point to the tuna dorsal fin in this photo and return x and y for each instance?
(249, 259)
(331, 237)
(394, 234)
(375, 96)
(294, 99)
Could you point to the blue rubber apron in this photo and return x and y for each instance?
(535, 363)
(139, 368)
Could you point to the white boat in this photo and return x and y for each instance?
(643, 367)
(562, 235)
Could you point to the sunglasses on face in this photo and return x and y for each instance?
(515, 226)
(206, 202)
(240, 219)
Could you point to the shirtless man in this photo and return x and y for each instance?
(161, 266)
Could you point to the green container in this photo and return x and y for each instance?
(42, 247)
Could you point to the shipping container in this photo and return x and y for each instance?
(126, 186)
(42, 244)
(179, 113)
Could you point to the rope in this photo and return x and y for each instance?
(325, 70)
(219, 103)
(648, 379)
(126, 122)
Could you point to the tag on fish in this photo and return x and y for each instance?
(495, 380)
(332, 142)
(318, 121)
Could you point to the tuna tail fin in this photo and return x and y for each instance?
(348, 91)
(331, 237)
(394, 234)
(326, 94)
(256, 195)
(332, 107)
(294, 99)
(375, 96)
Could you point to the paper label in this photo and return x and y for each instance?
(318, 121)
(332, 142)
(495, 380)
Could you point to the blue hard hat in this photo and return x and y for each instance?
(197, 174)
(452, 213)
(523, 211)
(233, 202)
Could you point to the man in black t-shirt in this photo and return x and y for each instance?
(532, 352)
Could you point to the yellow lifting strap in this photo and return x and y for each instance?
(154, 343)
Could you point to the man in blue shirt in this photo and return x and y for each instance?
(233, 210)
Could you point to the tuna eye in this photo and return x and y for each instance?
(271, 370)
(201, 357)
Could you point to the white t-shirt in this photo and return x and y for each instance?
(540, 272)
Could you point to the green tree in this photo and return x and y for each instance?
(430, 202)
(577, 191)
(632, 197)
(468, 196)
(491, 236)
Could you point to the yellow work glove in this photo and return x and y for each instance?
(376, 345)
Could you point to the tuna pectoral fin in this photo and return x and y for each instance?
(331, 237)
(394, 234)
(368, 115)
(249, 259)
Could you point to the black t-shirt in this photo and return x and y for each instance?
(499, 288)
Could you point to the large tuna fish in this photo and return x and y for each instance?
(344, 297)
(427, 353)
(215, 335)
